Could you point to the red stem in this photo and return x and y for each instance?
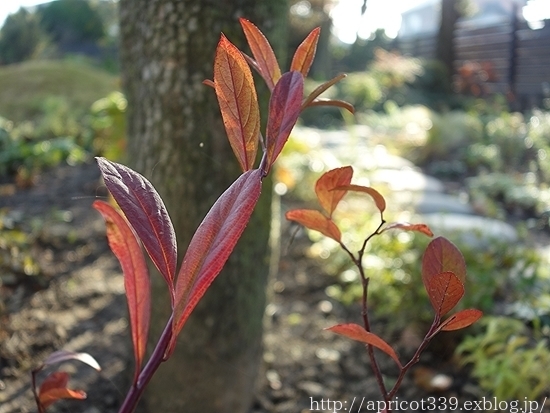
(157, 357)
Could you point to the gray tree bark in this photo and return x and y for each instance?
(177, 140)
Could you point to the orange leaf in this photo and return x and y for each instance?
(358, 333)
(265, 59)
(332, 102)
(53, 395)
(316, 221)
(375, 195)
(54, 388)
(127, 249)
(326, 185)
(462, 319)
(442, 255)
(238, 102)
(321, 88)
(423, 228)
(445, 291)
(303, 57)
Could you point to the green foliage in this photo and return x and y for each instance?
(71, 21)
(19, 37)
(108, 120)
(16, 256)
(507, 361)
(25, 87)
(23, 151)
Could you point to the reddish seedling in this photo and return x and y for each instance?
(443, 271)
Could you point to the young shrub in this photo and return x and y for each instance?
(144, 223)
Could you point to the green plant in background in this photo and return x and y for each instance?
(507, 360)
(16, 256)
(108, 120)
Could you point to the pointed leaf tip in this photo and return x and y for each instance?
(238, 102)
(264, 57)
(358, 333)
(305, 53)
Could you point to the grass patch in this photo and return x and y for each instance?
(25, 87)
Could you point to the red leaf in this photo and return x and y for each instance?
(54, 388)
(375, 195)
(238, 102)
(127, 249)
(462, 319)
(303, 57)
(442, 255)
(326, 185)
(146, 213)
(423, 228)
(358, 333)
(265, 59)
(284, 109)
(445, 291)
(63, 355)
(212, 244)
(316, 221)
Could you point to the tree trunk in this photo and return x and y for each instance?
(177, 140)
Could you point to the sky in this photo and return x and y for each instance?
(346, 15)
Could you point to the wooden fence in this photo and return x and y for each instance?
(517, 57)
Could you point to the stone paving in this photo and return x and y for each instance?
(407, 187)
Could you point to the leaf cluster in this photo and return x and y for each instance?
(506, 360)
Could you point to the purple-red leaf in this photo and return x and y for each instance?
(144, 209)
(127, 249)
(63, 355)
(374, 194)
(238, 102)
(462, 319)
(325, 187)
(284, 109)
(445, 291)
(54, 388)
(303, 57)
(442, 255)
(265, 59)
(212, 244)
(316, 221)
(422, 228)
(358, 333)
